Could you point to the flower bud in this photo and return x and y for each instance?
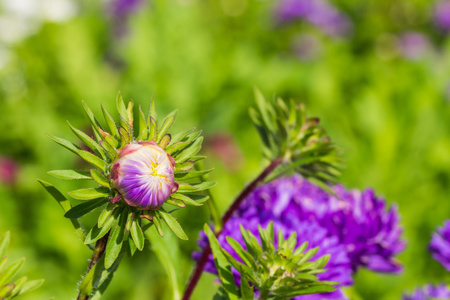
(144, 175)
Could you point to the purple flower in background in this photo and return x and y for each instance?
(440, 245)
(360, 221)
(338, 267)
(413, 44)
(317, 12)
(9, 171)
(429, 292)
(442, 14)
(122, 8)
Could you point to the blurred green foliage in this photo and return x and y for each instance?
(389, 115)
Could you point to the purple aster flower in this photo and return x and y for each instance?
(440, 245)
(122, 8)
(370, 233)
(338, 267)
(413, 44)
(442, 14)
(429, 292)
(144, 175)
(317, 12)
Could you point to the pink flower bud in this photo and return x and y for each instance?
(144, 175)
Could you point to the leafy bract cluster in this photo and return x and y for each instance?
(9, 290)
(278, 272)
(118, 221)
(287, 133)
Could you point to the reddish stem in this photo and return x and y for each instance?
(195, 277)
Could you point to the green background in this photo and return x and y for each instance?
(389, 115)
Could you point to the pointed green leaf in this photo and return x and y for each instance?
(136, 234)
(126, 138)
(184, 167)
(143, 127)
(130, 116)
(87, 141)
(95, 123)
(194, 200)
(172, 223)
(190, 151)
(100, 178)
(157, 222)
(111, 124)
(6, 290)
(184, 187)
(84, 208)
(70, 174)
(97, 233)
(192, 174)
(31, 286)
(115, 241)
(66, 144)
(64, 203)
(167, 124)
(4, 243)
(10, 271)
(89, 193)
(181, 135)
(105, 214)
(92, 159)
(246, 290)
(18, 286)
(222, 265)
(153, 130)
(165, 140)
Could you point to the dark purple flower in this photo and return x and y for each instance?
(144, 175)
(370, 233)
(413, 44)
(317, 12)
(429, 292)
(338, 267)
(442, 14)
(440, 245)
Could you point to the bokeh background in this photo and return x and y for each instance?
(375, 72)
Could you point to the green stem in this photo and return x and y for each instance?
(86, 286)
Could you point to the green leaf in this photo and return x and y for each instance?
(107, 145)
(194, 200)
(246, 290)
(165, 140)
(244, 255)
(174, 147)
(115, 241)
(84, 208)
(87, 141)
(100, 178)
(106, 212)
(4, 244)
(93, 159)
(153, 129)
(136, 234)
(184, 167)
(10, 271)
(70, 174)
(111, 124)
(184, 187)
(172, 223)
(64, 203)
(143, 127)
(5, 290)
(264, 109)
(89, 193)
(192, 174)
(157, 222)
(121, 108)
(181, 135)
(95, 123)
(166, 124)
(31, 286)
(190, 151)
(222, 265)
(97, 233)
(18, 286)
(66, 144)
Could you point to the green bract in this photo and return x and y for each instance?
(8, 288)
(120, 223)
(279, 273)
(287, 133)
